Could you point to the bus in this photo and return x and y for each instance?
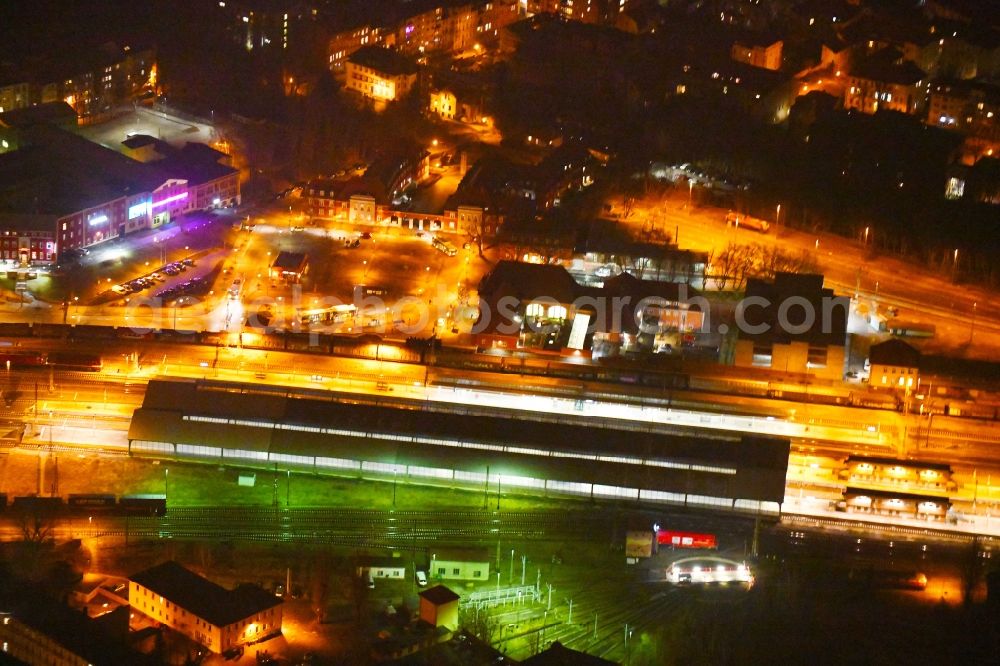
(367, 290)
(444, 246)
(747, 222)
(336, 314)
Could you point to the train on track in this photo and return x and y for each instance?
(363, 346)
(450, 365)
(85, 504)
(694, 540)
(61, 360)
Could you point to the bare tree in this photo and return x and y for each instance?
(356, 588)
(36, 526)
(475, 228)
(722, 265)
(479, 622)
(736, 263)
(748, 259)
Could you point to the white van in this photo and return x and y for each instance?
(421, 577)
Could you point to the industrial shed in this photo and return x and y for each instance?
(421, 441)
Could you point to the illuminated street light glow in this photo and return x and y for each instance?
(171, 199)
(700, 570)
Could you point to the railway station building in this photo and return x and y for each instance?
(542, 307)
(418, 441)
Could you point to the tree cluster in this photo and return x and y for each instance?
(734, 264)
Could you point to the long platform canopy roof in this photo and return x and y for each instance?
(308, 423)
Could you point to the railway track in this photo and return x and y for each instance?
(348, 527)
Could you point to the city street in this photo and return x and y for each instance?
(498, 333)
(960, 313)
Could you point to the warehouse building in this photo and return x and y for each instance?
(59, 191)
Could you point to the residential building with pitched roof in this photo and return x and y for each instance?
(895, 365)
(380, 73)
(209, 614)
(885, 81)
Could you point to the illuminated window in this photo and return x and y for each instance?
(534, 310)
(955, 188)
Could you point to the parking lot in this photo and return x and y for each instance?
(91, 278)
(173, 130)
(394, 265)
(211, 271)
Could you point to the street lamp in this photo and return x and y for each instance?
(972, 326)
